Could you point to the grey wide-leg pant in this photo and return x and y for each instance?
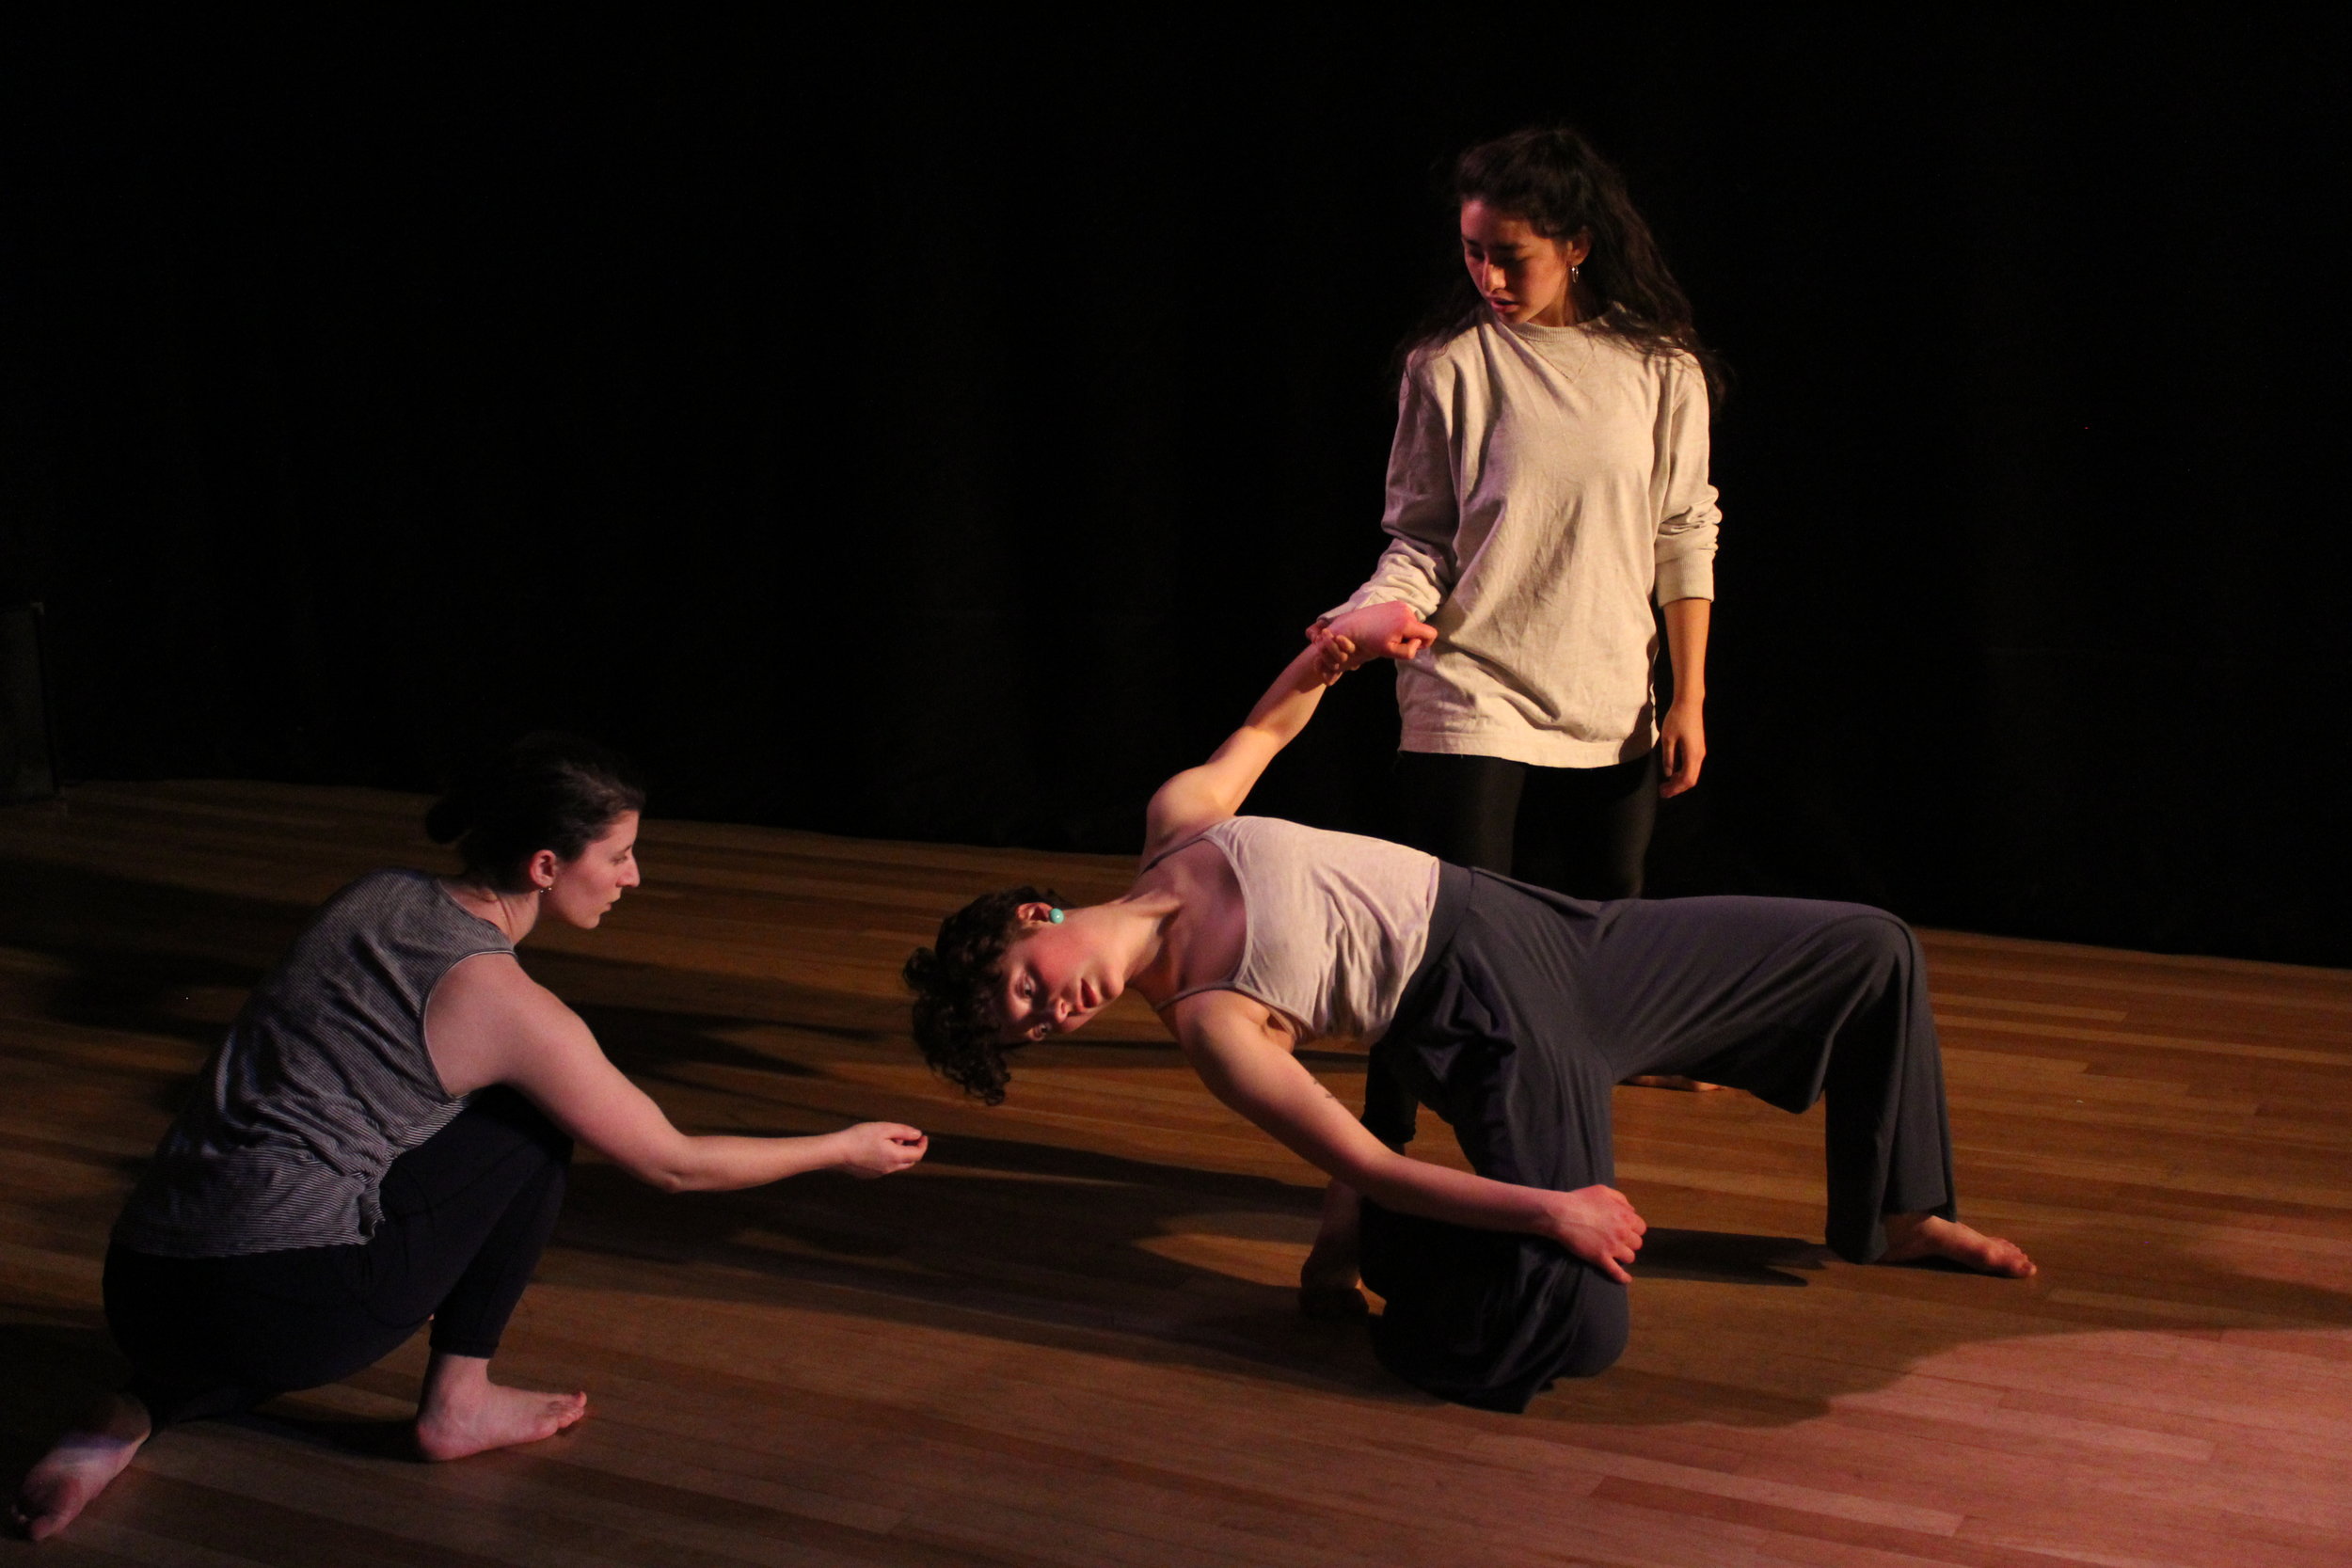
(1529, 1007)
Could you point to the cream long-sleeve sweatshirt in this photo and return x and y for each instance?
(1547, 485)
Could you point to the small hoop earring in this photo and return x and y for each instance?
(549, 888)
(1574, 267)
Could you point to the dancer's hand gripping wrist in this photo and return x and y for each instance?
(1386, 630)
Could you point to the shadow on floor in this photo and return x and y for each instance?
(997, 1233)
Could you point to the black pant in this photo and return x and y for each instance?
(1579, 831)
(465, 1216)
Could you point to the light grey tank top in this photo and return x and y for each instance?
(1336, 922)
(323, 1082)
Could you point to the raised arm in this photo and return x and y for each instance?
(488, 1022)
(1200, 797)
(1230, 1042)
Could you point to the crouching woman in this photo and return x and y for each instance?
(383, 1137)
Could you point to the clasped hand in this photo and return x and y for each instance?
(1389, 630)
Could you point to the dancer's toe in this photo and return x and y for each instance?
(496, 1418)
(1913, 1237)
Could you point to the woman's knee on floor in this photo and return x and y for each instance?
(1604, 1322)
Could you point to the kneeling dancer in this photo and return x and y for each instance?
(1509, 1010)
(383, 1139)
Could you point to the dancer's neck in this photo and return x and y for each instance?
(1156, 914)
(514, 913)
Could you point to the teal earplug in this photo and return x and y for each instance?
(1055, 917)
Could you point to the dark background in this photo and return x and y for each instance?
(942, 430)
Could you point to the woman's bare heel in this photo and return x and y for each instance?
(1327, 1281)
(79, 1466)
(464, 1413)
(1327, 1291)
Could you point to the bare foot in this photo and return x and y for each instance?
(1669, 1081)
(1327, 1281)
(1912, 1237)
(464, 1413)
(1326, 1288)
(79, 1467)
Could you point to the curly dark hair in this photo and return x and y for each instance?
(958, 1022)
(1551, 177)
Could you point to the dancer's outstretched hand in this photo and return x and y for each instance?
(874, 1148)
(1598, 1225)
(1389, 630)
(1334, 657)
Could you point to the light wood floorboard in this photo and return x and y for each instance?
(1068, 1338)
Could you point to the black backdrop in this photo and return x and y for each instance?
(942, 430)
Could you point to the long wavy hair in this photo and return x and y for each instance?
(1551, 177)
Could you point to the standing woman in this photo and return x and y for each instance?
(1547, 486)
(383, 1137)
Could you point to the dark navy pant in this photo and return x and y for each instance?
(466, 1215)
(1530, 1006)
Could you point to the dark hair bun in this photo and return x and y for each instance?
(447, 819)
(546, 791)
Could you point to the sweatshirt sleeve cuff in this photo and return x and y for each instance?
(1693, 577)
(1377, 594)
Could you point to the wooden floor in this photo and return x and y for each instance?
(1068, 1337)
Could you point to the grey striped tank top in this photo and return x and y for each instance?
(323, 1082)
(1336, 922)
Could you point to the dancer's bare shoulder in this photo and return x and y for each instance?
(1202, 944)
(488, 981)
(487, 1016)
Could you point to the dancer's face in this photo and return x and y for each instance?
(1054, 978)
(593, 883)
(1524, 277)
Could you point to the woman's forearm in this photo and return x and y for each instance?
(1412, 1186)
(1596, 1224)
(721, 1162)
(1215, 789)
(1687, 622)
(1294, 697)
(1682, 729)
